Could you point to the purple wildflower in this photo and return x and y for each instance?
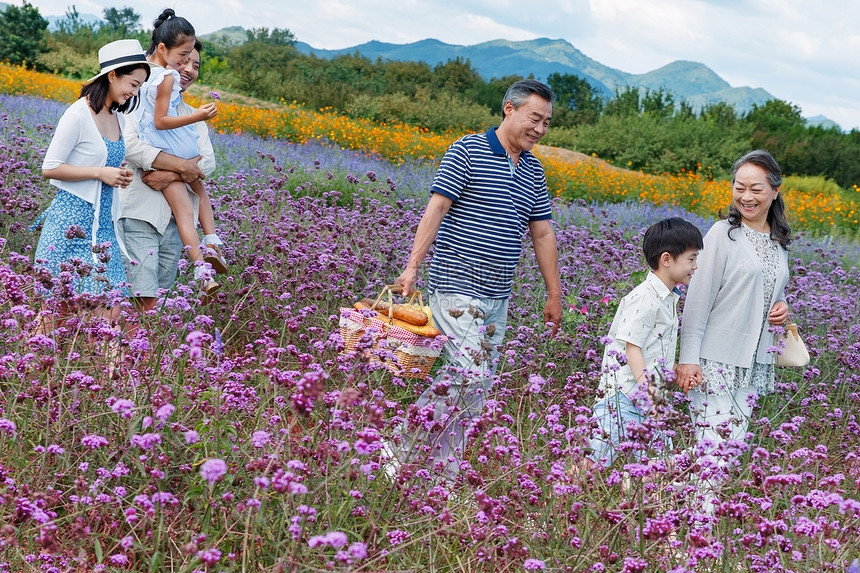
(634, 565)
(123, 407)
(209, 556)
(358, 550)
(213, 469)
(334, 539)
(93, 441)
(260, 438)
(146, 441)
(218, 344)
(195, 342)
(165, 412)
(397, 536)
(536, 383)
(8, 426)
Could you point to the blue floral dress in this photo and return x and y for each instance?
(66, 242)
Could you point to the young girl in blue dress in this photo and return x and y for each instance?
(160, 126)
(84, 161)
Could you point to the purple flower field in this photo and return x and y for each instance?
(238, 437)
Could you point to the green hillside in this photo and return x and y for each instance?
(691, 81)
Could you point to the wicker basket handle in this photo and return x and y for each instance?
(415, 293)
(388, 290)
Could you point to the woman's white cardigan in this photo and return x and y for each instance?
(724, 304)
(78, 141)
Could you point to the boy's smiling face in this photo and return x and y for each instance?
(681, 268)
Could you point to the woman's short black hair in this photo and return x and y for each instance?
(674, 236)
(96, 91)
(170, 30)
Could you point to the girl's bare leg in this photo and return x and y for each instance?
(205, 216)
(177, 197)
(211, 242)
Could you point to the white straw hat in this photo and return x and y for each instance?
(118, 54)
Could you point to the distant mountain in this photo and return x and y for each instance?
(684, 79)
(233, 35)
(691, 81)
(52, 20)
(88, 19)
(495, 59)
(821, 121)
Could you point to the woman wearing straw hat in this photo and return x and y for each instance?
(84, 161)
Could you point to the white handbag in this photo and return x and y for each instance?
(794, 353)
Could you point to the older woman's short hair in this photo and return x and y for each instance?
(763, 159)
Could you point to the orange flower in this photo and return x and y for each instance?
(694, 190)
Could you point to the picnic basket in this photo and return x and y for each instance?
(408, 355)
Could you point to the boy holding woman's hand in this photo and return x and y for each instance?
(645, 331)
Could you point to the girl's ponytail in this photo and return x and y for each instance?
(170, 30)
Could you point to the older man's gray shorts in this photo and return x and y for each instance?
(153, 258)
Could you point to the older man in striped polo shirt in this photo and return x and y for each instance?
(488, 190)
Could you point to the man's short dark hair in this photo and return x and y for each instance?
(198, 45)
(520, 91)
(674, 236)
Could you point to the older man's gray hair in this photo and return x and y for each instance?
(520, 91)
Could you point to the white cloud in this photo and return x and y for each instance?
(801, 51)
(403, 22)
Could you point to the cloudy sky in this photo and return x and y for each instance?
(806, 52)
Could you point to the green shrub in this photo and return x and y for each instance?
(814, 184)
(67, 61)
(655, 145)
(436, 112)
(216, 72)
(566, 137)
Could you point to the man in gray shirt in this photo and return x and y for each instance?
(146, 227)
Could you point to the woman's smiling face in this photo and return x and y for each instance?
(124, 87)
(752, 195)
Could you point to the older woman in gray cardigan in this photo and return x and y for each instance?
(733, 299)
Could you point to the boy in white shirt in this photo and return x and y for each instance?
(645, 330)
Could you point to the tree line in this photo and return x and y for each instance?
(639, 129)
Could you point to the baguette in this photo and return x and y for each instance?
(414, 329)
(419, 330)
(406, 313)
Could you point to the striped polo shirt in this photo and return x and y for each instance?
(480, 239)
